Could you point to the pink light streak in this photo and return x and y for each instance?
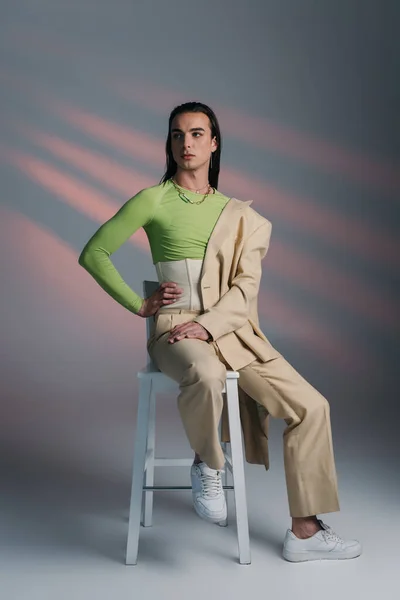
(99, 207)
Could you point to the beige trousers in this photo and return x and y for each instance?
(200, 370)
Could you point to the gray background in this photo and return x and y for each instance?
(307, 95)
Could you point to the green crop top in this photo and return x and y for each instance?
(175, 229)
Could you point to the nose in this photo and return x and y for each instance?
(186, 142)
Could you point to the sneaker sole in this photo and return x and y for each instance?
(304, 556)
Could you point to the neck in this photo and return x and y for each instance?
(192, 180)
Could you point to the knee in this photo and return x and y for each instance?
(318, 407)
(207, 372)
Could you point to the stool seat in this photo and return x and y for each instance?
(151, 382)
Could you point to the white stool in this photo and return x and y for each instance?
(151, 381)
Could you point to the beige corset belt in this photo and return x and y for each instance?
(186, 273)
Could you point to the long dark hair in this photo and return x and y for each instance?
(171, 166)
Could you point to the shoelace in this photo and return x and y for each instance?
(329, 534)
(332, 536)
(211, 484)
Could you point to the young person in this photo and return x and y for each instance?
(207, 250)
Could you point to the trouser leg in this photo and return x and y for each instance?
(201, 377)
(308, 449)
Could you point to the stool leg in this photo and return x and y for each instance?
(139, 460)
(149, 474)
(238, 472)
(224, 476)
(228, 475)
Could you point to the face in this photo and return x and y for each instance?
(191, 134)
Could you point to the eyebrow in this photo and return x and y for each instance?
(193, 129)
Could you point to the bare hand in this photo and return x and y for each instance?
(191, 329)
(167, 293)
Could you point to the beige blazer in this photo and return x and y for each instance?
(229, 286)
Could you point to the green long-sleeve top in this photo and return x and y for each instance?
(175, 229)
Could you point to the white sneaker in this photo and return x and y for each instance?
(207, 493)
(323, 545)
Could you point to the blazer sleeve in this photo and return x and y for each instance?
(232, 310)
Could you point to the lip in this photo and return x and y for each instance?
(188, 156)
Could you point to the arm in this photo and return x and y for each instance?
(232, 310)
(95, 256)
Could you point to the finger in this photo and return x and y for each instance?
(189, 331)
(170, 288)
(177, 335)
(168, 298)
(177, 338)
(171, 284)
(180, 328)
(166, 301)
(171, 294)
(185, 326)
(190, 335)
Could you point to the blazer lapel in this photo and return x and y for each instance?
(224, 227)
